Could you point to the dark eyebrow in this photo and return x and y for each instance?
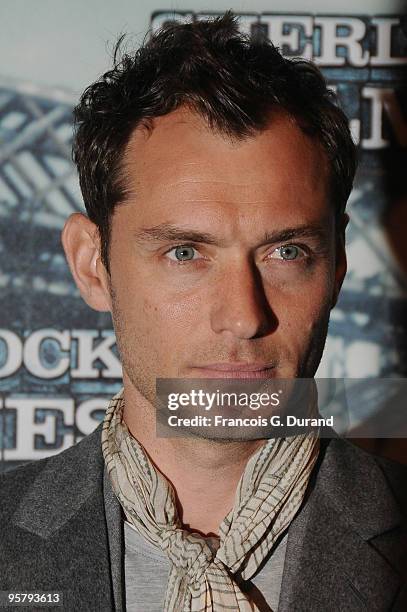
(318, 232)
(168, 232)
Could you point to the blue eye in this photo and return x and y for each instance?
(289, 251)
(182, 253)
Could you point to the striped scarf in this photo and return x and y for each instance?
(267, 498)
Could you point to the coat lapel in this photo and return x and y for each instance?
(114, 523)
(61, 521)
(339, 544)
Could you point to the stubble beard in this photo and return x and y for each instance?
(136, 370)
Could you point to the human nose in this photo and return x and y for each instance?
(242, 307)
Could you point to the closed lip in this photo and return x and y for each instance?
(236, 367)
(236, 370)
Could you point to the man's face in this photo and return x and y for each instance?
(223, 258)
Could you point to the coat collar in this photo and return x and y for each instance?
(343, 543)
(337, 543)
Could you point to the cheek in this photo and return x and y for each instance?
(162, 317)
(149, 313)
(299, 323)
(175, 315)
(301, 314)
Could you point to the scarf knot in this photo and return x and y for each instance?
(196, 555)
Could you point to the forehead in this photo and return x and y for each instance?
(182, 159)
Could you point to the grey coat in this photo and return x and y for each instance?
(62, 530)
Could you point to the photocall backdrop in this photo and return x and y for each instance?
(58, 359)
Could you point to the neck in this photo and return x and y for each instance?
(203, 473)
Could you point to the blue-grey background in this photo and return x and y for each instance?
(58, 362)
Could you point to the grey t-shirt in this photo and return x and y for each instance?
(147, 569)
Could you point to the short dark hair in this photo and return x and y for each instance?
(230, 79)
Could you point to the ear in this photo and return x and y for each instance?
(80, 239)
(340, 256)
